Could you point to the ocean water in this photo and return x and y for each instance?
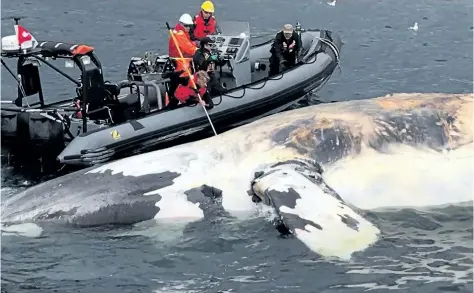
(421, 249)
(419, 252)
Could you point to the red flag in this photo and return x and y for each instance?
(23, 35)
(25, 38)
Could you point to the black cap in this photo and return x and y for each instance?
(205, 40)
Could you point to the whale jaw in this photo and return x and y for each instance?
(312, 211)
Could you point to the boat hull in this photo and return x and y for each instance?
(242, 105)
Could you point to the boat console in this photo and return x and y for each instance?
(228, 46)
(233, 45)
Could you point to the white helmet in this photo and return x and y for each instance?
(186, 19)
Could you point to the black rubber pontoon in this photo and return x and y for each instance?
(251, 95)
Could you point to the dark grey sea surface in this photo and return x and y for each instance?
(380, 56)
(420, 251)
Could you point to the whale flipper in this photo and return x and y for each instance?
(312, 211)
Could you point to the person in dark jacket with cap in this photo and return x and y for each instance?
(285, 49)
(204, 60)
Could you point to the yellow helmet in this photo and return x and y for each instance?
(208, 6)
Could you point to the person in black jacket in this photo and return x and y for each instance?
(285, 49)
(204, 60)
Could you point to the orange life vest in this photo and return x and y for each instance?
(184, 92)
(204, 27)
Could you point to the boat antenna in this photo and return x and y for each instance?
(190, 76)
(20, 86)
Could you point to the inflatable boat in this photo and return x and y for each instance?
(107, 121)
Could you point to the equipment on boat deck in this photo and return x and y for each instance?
(104, 120)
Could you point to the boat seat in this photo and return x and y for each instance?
(126, 98)
(152, 95)
(129, 106)
(113, 88)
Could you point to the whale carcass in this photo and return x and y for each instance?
(185, 181)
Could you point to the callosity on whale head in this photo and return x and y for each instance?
(311, 210)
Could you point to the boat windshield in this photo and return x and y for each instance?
(234, 28)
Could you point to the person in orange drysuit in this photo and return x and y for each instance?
(183, 40)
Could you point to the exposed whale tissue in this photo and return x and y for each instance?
(304, 165)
